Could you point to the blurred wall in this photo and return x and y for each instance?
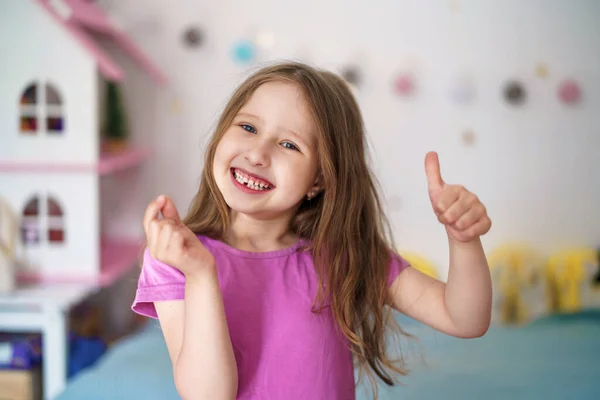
(535, 165)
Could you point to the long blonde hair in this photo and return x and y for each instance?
(349, 234)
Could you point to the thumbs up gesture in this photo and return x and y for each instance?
(461, 212)
(171, 241)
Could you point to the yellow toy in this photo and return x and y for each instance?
(573, 274)
(420, 263)
(520, 289)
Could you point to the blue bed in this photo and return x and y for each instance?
(553, 358)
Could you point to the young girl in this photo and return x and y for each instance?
(281, 274)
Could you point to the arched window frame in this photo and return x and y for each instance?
(42, 214)
(32, 110)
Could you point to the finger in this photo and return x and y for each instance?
(481, 227)
(164, 239)
(176, 244)
(473, 215)
(151, 213)
(456, 210)
(152, 237)
(446, 198)
(455, 233)
(156, 229)
(432, 171)
(169, 210)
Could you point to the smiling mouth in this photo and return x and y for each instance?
(250, 181)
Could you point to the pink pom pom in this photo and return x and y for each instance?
(404, 85)
(569, 92)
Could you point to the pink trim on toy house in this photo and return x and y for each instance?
(79, 17)
(109, 163)
(117, 258)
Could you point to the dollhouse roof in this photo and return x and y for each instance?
(82, 17)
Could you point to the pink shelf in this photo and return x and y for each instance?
(117, 258)
(109, 163)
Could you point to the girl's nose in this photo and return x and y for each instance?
(258, 156)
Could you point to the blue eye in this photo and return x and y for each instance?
(248, 128)
(290, 146)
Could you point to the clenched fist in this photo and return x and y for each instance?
(173, 243)
(461, 212)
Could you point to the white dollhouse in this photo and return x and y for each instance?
(52, 74)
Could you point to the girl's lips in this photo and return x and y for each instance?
(254, 176)
(245, 188)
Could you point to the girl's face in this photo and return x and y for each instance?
(266, 162)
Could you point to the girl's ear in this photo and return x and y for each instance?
(316, 188)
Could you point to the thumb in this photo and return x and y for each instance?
(169, 210)
(432, 170)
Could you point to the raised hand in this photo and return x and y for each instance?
(463, 215)
(171, 242)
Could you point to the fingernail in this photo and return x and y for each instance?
(160, 198)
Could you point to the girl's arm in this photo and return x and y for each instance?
(462, 306)
(468, 295)
(195, 329)
(198, 340)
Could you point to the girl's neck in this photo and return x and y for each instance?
(246, 233)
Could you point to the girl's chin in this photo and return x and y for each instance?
(258, 212)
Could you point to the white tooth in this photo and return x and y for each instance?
(250, 182)
(262, 185)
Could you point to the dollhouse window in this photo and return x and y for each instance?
(29, 100)
(54, 112)
(56, 233)
(30, 230)
(37, 219)
(34, 110)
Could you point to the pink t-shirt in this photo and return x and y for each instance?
(282, 349)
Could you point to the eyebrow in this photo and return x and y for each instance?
(246, 114)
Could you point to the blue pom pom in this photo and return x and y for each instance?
(244, 52)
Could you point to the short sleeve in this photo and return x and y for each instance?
(158, 281)
(397, 265)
